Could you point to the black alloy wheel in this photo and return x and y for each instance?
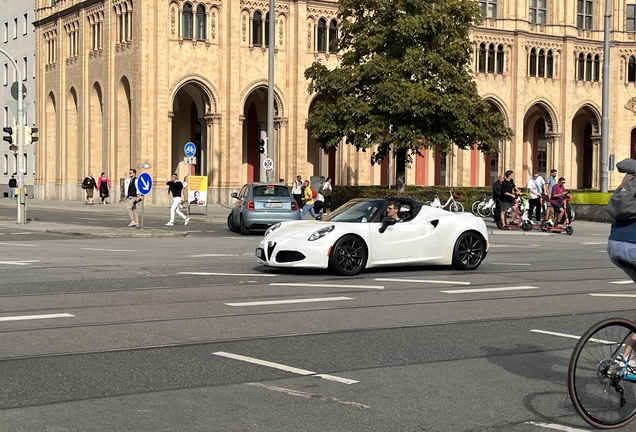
(469, 251)
(348, 256)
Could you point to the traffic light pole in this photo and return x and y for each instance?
(605, 101)
(20, 156)
(270, 92)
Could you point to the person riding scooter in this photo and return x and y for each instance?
(556, 199)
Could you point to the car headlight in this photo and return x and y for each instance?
(272, 229)
(321, 233)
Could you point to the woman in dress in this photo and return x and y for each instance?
(103, 186)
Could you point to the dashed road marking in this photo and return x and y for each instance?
(21, 233)
(570, 336)
(277, 302)
(36, 317)
(227, 274)
(480, 290)
(511, 264)
(108, 250)
(18, 244)
(594, 243)
(614, 295)
(422, 281)
(622, 282)
(554, 426)
(326, 285)
(19, 262)
(283, 367)
(214, 255)
(305, 395)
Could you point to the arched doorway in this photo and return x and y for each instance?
(585, 133)
(319, 163)
(95, 160)
(493, 161)
(124, 158)
(538, 124)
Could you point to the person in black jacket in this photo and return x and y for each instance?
(496, 195)
(89, 185)
(13, 183)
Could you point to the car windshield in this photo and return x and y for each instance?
(271, 190)
(355, 211)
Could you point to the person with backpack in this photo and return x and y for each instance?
(308, 201)
(89, 185)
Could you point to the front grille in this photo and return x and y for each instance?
(270, 249)
(289, 256)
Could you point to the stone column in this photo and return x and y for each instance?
(281, 150)
(596, 155)
(553, 152)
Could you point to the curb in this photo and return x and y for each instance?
(119, 234)
(519, 233)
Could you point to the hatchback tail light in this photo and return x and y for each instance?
(294, 206)
(250, 205)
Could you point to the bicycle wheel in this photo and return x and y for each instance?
(601, 391)
(456, 207)
(473, 208)
(484, 210)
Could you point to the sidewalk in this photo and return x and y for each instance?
(215, 213)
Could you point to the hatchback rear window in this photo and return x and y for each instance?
(265, 191)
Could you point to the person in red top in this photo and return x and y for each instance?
(556, 199)
(103, 186)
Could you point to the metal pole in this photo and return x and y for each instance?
(142, 212)
(605, 103)
(390, 159)
(21, 136)
(270, 92)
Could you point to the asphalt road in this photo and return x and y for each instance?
(173, 335)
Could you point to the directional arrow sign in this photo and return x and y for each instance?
(144, 183)
(190, 149)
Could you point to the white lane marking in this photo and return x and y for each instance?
(210, 231)
(555, 427)
(336, 379)
(594, 243)
(226, 274)
(19, 262)
(21, 233)
(513, 246)
(89, 219)
(511, 264)
(193, 231)
(480, 290)
(36, 317)
(237, 238)
(214, 255)
(614, 295)
(108, 250)
(423, 281)
(622, 282)
(570, 336)
(276, 302)
(18, 244)
(282, 367)
(305, 395)
(326, 285)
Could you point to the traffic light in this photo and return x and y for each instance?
(12, 138)
(29, 135)
(260, 143)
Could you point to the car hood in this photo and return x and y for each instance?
(294, 228)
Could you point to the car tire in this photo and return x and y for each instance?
(244, 229)
(230, 223)
(469, 251)
(348, 256)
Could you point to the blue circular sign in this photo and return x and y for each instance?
(144, 183)
(190, 149)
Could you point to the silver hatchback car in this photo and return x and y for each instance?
(261, 205)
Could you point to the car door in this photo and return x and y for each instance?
(400, 242)
(238, 205)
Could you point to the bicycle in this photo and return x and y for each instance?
(451, 204)
(602, 374)
(474, 206)
(486, 209)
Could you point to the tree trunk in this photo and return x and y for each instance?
(400, 170)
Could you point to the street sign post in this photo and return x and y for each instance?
(268, 164)
(190, 160)
(190, 149)
(144, 186)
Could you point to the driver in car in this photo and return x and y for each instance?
(392, 210)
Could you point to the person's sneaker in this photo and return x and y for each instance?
(170, 224)
(132, 224)
(186, 221)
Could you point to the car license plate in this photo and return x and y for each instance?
(273, 205)
(260, 253)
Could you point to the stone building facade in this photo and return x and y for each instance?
(121, 82)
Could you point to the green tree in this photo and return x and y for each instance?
(405, 68)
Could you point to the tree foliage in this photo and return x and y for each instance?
(406, 68)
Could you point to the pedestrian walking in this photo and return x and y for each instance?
(13, 184)
(535, 188)
(308, 200)
(327, 193)
(103, 186)
(132, 197)
(496, 196)
(175, 187)
(297, 191)
(89, 186)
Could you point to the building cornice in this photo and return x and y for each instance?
(66, 12)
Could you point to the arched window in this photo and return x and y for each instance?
(500, 60)
(597, 68)
(333, 36)
(201, 23)
(533, 63)
(491, 58)
(631, 70)
(266, 41)
(186, 21)
(549, 65)
(588, 68)
(541, 63)
(257, 29)
(581, 67)
(322, 35)
(482, 58)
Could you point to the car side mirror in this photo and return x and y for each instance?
(234, 195)
(387, 222)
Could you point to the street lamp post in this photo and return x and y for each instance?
(270, 92)
(20, 158)
(605, 102)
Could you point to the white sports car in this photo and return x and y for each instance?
(358, 235)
